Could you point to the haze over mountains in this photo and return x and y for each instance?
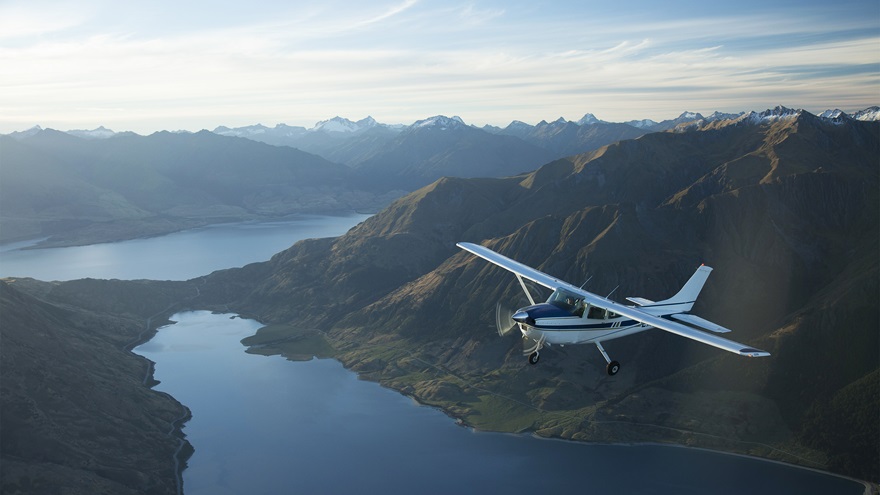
(96, 186)
(782, 203)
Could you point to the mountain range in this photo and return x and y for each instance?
(83, 187)
(784, 204)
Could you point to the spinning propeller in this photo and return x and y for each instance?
(503, 320)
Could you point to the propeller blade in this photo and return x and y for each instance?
(503, 320)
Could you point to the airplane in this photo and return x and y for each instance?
(573, 315)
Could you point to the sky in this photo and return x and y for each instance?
(191, 65)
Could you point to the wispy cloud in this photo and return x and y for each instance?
(19, 20)
(391, 12)
(403, 61)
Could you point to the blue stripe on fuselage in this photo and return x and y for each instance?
(547, 311)
(591, 326)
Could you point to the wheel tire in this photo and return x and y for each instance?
(533, 358)
(613, 368)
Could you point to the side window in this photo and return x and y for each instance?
(596, 313)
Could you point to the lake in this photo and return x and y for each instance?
(178, 256)
(267, 425)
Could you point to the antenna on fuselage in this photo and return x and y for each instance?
(587, 281)
(612, 291)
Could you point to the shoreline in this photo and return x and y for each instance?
(78, 238)
(184, 449)
(870, 487)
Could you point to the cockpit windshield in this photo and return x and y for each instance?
(568, 301)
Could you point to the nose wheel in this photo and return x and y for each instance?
(532, 352)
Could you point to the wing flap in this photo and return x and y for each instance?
(700, 322)
(685, 331)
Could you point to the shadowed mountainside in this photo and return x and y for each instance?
(566, 138)
(77, 416)
(785, 209)
(442, 146)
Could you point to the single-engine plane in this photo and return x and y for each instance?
(572, 315)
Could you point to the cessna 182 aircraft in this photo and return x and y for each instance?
(572, 315)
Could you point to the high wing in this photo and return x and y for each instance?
(554, 283)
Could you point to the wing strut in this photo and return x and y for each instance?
(525, 289)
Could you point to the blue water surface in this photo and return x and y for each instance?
(178, 256)
(267, 425)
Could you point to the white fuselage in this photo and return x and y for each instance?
(594, 331)
(554, 325)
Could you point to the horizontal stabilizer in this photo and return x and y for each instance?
(641, 301)
(700, 322)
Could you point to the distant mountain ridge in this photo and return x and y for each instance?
(561, 137)
(350, 142)
(379, 162)
(93, 190)
(339, 124)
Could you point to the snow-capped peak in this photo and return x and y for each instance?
(832, 114)
(641, 124)
(441, 121)
(340, 124)
(868, 114)
(778, 113)
(768, 116)
(247, 131)
(716, 116)
(689, 116)
(99, 133)
(26, 133)
(589, 119)
(518, 124)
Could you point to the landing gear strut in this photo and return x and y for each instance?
(613, 366)
(532, 352)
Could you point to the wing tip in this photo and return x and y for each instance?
(751, 352)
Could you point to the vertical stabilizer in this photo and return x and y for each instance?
(684, 300)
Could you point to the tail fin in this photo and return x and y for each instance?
(684, 300)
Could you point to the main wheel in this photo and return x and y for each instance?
(533, 357)
(613, 368)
